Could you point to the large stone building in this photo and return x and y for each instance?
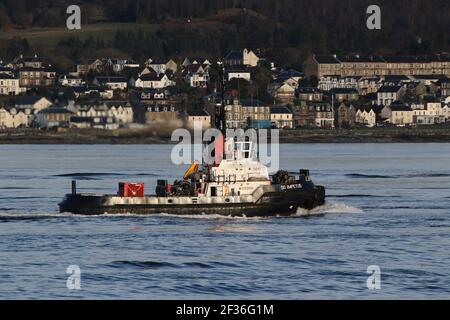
(334, 65)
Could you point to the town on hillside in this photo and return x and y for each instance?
(329, 91)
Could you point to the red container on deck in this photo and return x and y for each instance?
(130, 190)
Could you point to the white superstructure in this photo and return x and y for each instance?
(238, 174)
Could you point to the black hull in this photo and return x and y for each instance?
(270, 204)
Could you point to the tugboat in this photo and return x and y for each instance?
(237, 184)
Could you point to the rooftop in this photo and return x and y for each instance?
(391, 89)
(280, 110)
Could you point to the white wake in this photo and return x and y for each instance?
(329, 207)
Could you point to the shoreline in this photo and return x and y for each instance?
(435, 134)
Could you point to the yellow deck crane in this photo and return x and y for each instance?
(192, 170)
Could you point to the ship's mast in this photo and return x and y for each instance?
(220, 114)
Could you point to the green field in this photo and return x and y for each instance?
(51, 36)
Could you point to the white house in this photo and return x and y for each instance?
(120, 111)
(70, 80)
(102, 92)
(388, 94)
(15, 118)
(118, 65)
(281, 117)
(103, 115)
(431, 113)
(114, 83)
(153, 81)
(10, 85)
(398, 114)
(196, 75)
(366, 116)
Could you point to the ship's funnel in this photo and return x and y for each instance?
(219, 150)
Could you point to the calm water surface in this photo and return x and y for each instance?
(388, 205)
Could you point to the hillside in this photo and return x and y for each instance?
(285, 30)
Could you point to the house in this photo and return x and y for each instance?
(166, 96)
(85, 66)
(344, 94)
(366, 116)
(398, 113)
(324, 116)
(54, 117)
(27, 62)
(33, 71)
(114, 83)
(10, 84)
(196, 75)
(119, 65)
(92, 115)
(120, 111)
(364, 85)
(155, 114)
(105, 114)
(70, 80)
(244, 57)
(162, 66)
(430, 113)
(37, 77)
(282, 92)
(34, 103)
(96, 91)
(256, 114)
(234, 114)
(153, 81)
(304, 116)
(386, 95)
(281, 117)
(198, 118)
(345, 115)
(238, 72)
(309, 94)
(368, 85)
(15, 118)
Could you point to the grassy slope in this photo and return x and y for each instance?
(51, 36)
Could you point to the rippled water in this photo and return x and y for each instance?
(388, 205)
